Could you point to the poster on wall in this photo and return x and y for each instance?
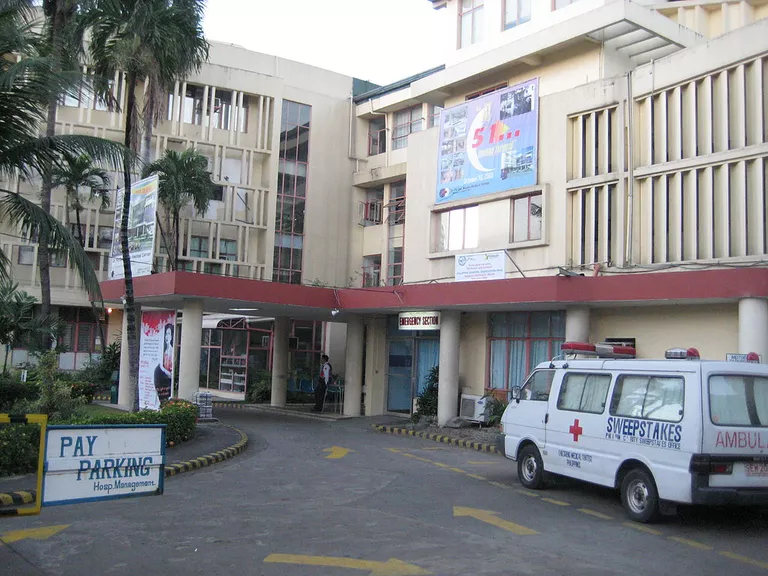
(156, 358)
(481, 266)
(141, 229)
(489, 144)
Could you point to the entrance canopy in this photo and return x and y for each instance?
(240, 296)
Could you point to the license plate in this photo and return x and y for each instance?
(760, 469)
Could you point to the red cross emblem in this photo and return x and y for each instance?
(576, 430)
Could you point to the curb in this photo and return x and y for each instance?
(102, 397)
(277, 410)
(22, 497)
(478, 446)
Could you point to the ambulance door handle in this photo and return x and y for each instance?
(546, 418)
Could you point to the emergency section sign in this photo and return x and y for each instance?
(87, 463)
(419, 321)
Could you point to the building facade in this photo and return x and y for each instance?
(631, 203)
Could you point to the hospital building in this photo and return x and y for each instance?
(576, 170)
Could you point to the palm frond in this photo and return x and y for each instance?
(5, 266)
(17, 210)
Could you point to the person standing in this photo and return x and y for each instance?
(326, 373)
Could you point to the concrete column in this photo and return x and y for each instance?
(189, 359)
(753, 327)
(448, 388)
(376, 367)
(577, 324)
(280, 361)
(353, 367)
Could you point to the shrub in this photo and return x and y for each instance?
(84, 390)
(496, 408)
(12, 390)
(426, 403)
(179, 416)
(259, 388)
(19, 448)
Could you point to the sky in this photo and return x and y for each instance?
(377, 40)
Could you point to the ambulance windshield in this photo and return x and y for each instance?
(738, 400)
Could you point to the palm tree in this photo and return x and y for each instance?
(18, 319)
(160, 39)
(184, 178)
(27, 82)
(79, 172)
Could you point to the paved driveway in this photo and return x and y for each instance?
(297, 503)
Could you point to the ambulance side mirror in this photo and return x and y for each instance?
(516, 394)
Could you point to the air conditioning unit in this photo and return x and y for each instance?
(474, 408)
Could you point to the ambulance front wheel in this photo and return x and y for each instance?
(530, 468)
(639, 496)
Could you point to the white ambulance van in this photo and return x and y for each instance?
(676, 431)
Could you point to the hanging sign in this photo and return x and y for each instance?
(418, 320)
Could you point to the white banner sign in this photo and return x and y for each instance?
(418, 321)
(481, 266)
(731, 357)
(87, 463)
(141, 229)
(156, 365)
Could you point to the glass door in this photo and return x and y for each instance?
(400, 375)
(428, 356)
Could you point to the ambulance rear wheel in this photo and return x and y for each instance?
(530, 468)
(639, 496)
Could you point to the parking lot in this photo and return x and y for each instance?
(320, 498)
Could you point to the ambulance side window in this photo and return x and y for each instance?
(538, 385)
(650, 397)
(584, 393)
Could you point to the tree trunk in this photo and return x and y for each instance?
(176, 241)
(149, 112)
(169, 241)
(130, 307)
(43, 254)
(79, 229)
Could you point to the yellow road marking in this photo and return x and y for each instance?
(395, 450)
(556, 502)
(480, 462)
(476, 476)
(337, 452)
(745, 559)
(441, 464)
(527, 493)
(391, 567)
(499, 484)
(692, 543)
(492, 518)
(595, 514)
(459, 470)
(42, 533)
(435, 448)
(642, 528)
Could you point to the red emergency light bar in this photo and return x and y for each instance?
(682, 354)
(600, 350)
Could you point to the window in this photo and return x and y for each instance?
(649, 397)
(519, 341)
(372, 271)
(516, 12)
(538, 386)
(377, 137)
(218, 193)
(193, 105)
(584, 393)
(227, 250)
(291, 193)
(104, 241)
(221, 109)
(738, 400)
(486, 91)
(79, 331)
(470, 22)
(198, 247)
(434, 116)
(26, 255)
(395, 267)
(557, 4)
(396, 203)
(459, 229)
(406, 122)
(526, 218)
(58, 259)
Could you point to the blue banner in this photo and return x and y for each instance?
(489, 144)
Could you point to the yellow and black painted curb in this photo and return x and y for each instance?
(102, 397)
(478, 446)
(19, 498)
(208, 459)
(23, 497)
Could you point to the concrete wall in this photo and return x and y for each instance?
(712, 328)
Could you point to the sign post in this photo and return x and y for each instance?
(90, 463)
